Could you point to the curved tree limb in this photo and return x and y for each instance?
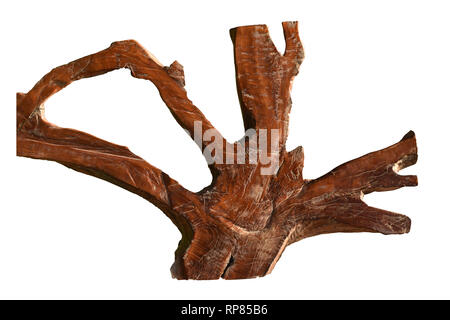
(123, 54)
(37, 138)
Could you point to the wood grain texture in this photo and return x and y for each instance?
(239, 226)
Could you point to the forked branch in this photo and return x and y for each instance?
(37, 138)
(333, 202)
(264, 76)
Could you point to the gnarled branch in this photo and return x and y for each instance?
(239, 226)
(123, 54)
(264, 76)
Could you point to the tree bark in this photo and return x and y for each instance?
(239, 226)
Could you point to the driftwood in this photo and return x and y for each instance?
(239, 226)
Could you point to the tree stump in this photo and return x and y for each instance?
(258, 202)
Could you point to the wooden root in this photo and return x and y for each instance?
(238, 226)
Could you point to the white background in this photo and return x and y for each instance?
(373, 71)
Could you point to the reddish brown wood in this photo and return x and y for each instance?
(239, 226)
